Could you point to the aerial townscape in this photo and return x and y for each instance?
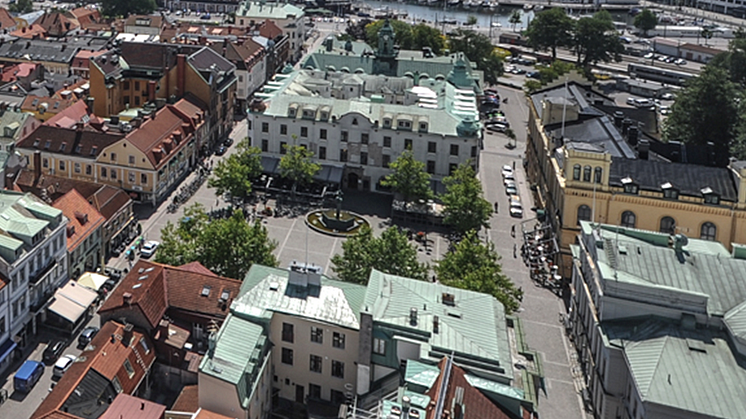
(373, 209)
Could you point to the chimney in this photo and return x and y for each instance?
(114, 120)
(413, 316)
(625, 126)
(618, 118)
(436, 324)
(37, 165)
(89, 102)
(127, 298)
(142, 405)
(151, 91)
(127, 334)
(643, 147)
(180, 74)
(633, 133)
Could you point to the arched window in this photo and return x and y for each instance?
(587, 174)
(629, 219)
(598, 174)
(576, 172)
(708, 231)
(584, 213)
(668, 225)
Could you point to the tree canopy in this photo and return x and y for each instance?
(465, 206)
(407, 36)
(402, 32)
(234, 174)
(645, 21)
(550, 29)
(408, 178)
(227, 247)
(297, 165)
(478, 49)
(426, 36)
(390, 253)
(123, 8)
(597, 40)
(475, 266)
(515, 18)
(21, 6)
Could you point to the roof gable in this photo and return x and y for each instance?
(83, 218)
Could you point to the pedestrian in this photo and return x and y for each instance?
(496, 207)
(515, 252)
(512, 231)
(513, 164)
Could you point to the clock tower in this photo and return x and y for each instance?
(386, 54)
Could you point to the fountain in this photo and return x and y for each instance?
(336, 222)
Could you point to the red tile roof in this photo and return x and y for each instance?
(207, 414)
(197, 267)
(107, 358)
(86, 143)
(81, 58)
(14, 71)
(86, 17)
(83, 219)
(58, 23)
(32, 32)
(164, 287)
(188, 400)
(270, 30)
(53, 106)
(108, 200)
(131, 407)
(6, 19)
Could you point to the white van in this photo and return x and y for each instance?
(643, 103)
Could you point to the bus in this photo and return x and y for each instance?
(658, 74)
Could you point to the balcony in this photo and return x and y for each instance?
(40, 275)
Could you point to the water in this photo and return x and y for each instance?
(417, 13)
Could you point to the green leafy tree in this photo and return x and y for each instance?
(645, 21)
(471, 20)
(122, 8)
(705, 111)
(21, 6)
(531, 86)
(426, 36)
(475, 266)
(227, 247)
(597, 40)
(465, 206)
(402, 32)
(707, 34)
(390, 253)
(549, 30)
(515, 18)
(733, 61)
(478, 49)
(297, 165)
(408, 178)
(234, 174)
(357, 30)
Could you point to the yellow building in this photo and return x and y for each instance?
(586, 165)
(145, 158)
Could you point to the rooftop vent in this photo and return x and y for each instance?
(413, 316)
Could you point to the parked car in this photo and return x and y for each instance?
(228, 142)
(533, 75)
(680, 61)
(86, 336)
(221, 150)
(205, 16)
(148, 249)
(63, 364)
(516, 209)
(668, 96)
(496, 127)
(507, 170)
(27, 376)
(511, 190)
(53, 351)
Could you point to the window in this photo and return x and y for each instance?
(431, 166)
(584, 213)
(287, 356)
(344, 136)
(630, 186)
(103, 172)
(474, 152)
(315, 365)
(144, 345)
(287, 333)
(283, 147)
(343, 155)
(712, 199)
(137, 100)
(322, 153)
(131, 177)
(387, 141)
(454, 149)
(598, 175)
(338, 369)
(117, 385)
(385, 160)
(337, 397)
(113, 156)
(265, 145)
(2, 326)
(379, 346)
(452, 168)
(432, 147)
(126, 85)
(88, 169)
(670, 193)
(265, 126)
(137, 86)
(143, 178)
(62, 165)
(576, 172)
(354, 121)
(364, 138)
(629, 219)
(128, 367)
(76, 167)
(338, 340)
(668, 225)
(708, 231)
(587, 174)
(304, 132)
(314, 391)
(45, 162)
(113, 174)
(131, 159)
(363, 158)
(407, 143)
(317, 334)
(322, 134)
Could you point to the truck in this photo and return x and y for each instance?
(27, 376)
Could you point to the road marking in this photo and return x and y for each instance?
(331, 254)
(287, 237)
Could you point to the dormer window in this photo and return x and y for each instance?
(404, 124)
(387, 122)
(669, 192)
(630, 186)
(423, 126)
(36, 143)
(47, 144)
(324, 115)
(710, 196)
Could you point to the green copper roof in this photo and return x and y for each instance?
(421, 374)
(390, 300)
(692, 370)
(238, 355)
(266, 290)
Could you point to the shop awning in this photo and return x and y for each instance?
(270, 165)
(329, 174)
(92, 280)
(72, 300)
(6, 348)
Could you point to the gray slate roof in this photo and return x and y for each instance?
(39, 50)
